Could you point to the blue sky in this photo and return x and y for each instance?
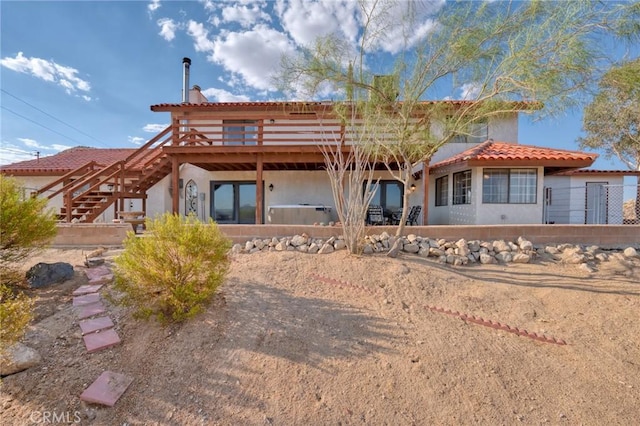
(86, 72)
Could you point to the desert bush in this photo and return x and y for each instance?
(26, 225)
(16, 311)
(174, 270)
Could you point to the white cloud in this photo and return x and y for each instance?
(154, 128)
(167, 28)
(200, 37)
(31, 143)
(136, 140)
(58, 147)
(153, 6)
(470, 91)
(219, 95)
(10, 153)
(401, 24)
(253, 54)
(306, 20)
(245, 15)
(48, 71)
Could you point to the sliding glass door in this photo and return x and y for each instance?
(233, 202)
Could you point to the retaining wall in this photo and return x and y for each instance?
(605, 236)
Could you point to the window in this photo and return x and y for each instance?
(477, 133)
(233, 202)
(389, 196)
(191, 198)
(442, 191)
(462, 187)
(509, 186)
(240, 132)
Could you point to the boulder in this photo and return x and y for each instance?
(326, 248)
(630, 252)
(525, 245)
(44, 274)
(521, 258)
(17, 358)
(339, 245)
(411, 248)
(504, 257)
(486, 258)
(500, 246)
(299, 240)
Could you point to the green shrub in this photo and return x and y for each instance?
(26, 225)
(15, 314)
(173, 271)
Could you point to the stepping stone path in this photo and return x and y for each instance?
(98, 333)
(107, 388)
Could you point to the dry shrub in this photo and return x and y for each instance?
(16, 311)
(174, 270)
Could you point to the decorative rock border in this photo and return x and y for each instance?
(457, 253)
(496, 325)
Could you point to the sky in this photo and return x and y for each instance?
(86, 72)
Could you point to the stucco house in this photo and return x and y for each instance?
(260, 163)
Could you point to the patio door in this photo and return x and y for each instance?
(233, 202)
(596, 203)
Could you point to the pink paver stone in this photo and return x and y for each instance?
(95, 324)
(107, 388)
(86, 311)
(101, 340)
(98, 271)
(86, 299)
(86, 289)
(101, 279)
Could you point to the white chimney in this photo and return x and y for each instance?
(186, 63)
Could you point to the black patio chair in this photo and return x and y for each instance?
(396, 216)
(414, 213)
(375, 215)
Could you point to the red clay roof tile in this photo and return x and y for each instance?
(67, 160)
(511, 153)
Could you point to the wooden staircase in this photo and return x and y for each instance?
(92, 188)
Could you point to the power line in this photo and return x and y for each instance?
(41, 125)
(51, 116)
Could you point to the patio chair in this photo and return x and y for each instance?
(375, 215)
(414, 213)
(396, 216)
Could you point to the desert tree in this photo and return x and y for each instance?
(612, 120)
(505, 57)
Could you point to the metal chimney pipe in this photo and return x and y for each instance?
(186, 63)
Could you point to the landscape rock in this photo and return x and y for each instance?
(504, 257)
(326, 248)
(44, 274)
(501, 246)
(630, 252)
(17, 358)
(521, 258)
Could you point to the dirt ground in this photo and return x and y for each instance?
(297, 339)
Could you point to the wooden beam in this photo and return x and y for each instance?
(175, 179)
(425, 190)
(259, 190)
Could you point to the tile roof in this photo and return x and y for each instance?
(511, 154)
(599, 172)
(298, 105)
(67, 160)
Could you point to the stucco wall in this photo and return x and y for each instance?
(568, 198)
(478, 212)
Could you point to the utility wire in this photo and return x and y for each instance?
(55, 118)
(41, 125)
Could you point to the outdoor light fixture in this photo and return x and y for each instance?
(270, 187)
(413, 187)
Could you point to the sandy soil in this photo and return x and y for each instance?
(280, 346)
